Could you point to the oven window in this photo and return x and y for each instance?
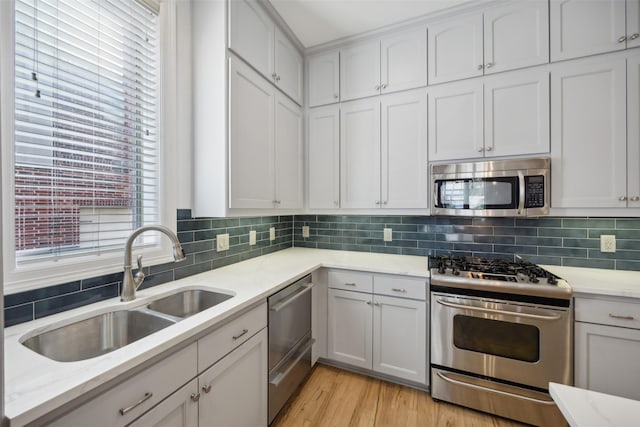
(505, 339)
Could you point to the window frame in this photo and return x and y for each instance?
(38, 274)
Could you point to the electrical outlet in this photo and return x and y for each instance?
(388, 236)
(607, 243)
(252, 237)
(305, 231)
(272, 233)
(222, 242)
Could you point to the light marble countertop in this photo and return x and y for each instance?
(597, 281)
(585, 408)
(36, 385)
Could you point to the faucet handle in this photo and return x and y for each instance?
(139, 276)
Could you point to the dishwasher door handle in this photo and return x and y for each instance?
(277, 379)
(282, 304)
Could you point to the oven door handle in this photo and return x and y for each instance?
(282, 304)
(505, 393)
(492, 310)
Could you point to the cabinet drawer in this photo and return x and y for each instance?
(608, 312)
(218, 343)
(350, 280)
(137, 394)
(399, 286)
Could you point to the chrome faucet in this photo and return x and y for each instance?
(130, 283)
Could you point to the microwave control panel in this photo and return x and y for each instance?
(534, 191)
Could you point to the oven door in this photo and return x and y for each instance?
(516, 342)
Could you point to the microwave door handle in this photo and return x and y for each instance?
(435, 200)
(521, 201)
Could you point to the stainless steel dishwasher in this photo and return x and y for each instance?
(289, 342)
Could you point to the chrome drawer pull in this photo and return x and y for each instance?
(195, 396)
(244, 331)
(399, 290)
(349, 284)
(618, 316)
(147, 396)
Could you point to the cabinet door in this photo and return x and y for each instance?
(288, 67)
(360, 70)
(455, 49)
(607, 359)
(288, 157)
(178, 410)
(455, 121)
(350, 328)
(251, 138)
(404, 61)
(252, 34)
(404, 150)
(633, 131)
(233, 392)
(324, 78)
(588, 134)
(400, 338)
(360, 154)
(324, 157)
(516, 36)
(633, 23)
(581, 28)
(516, 113)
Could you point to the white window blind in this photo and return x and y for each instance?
(86, 132)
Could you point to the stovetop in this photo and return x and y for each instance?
(496, 275)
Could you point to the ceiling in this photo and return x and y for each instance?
(316, 22)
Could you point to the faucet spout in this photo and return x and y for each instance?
(129, 283)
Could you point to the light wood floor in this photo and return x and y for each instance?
(338, 398)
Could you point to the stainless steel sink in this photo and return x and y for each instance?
(187, 303)
(96, 335)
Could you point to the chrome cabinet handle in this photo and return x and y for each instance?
(244, 331)
(335, 96)
(489, 148)
(206, 388)
(336, 203)
(377, 87)
(384, 86)
(622, 198)
(480, 150)
(368, 302)
(277, 78)
(274, 75)
(634, 36)
(621, 317)
(195, 396)
(399, 290)
(376, 303)
(490, 64)
(377, 202)
(147, 396)
(480, 67)
(635, 198)
(384, 202)
(622, 39)
(277, 202)
(349, 284)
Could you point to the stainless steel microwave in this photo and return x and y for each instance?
(508, 187)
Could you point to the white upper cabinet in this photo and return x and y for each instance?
(502, 38)
(633, 23)
(503, 115)
(633, 131)
(516, 113)
(455, 49)
(404, 155)
(588, 134)
(323, 161)
(581, 28)
(288, 73)
(516, 36)
(265, 143)
(455, 121)
(323, 78)
(252, 35)
(404, 61)
(288, 154)
(360, 70)
(360, 154)
(395, 63)
(255, 38)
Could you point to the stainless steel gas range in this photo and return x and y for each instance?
(500, 332)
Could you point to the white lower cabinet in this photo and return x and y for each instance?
(607, 346)
(371, 330)
(220, 380)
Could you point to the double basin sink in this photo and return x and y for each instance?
(110, 331)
